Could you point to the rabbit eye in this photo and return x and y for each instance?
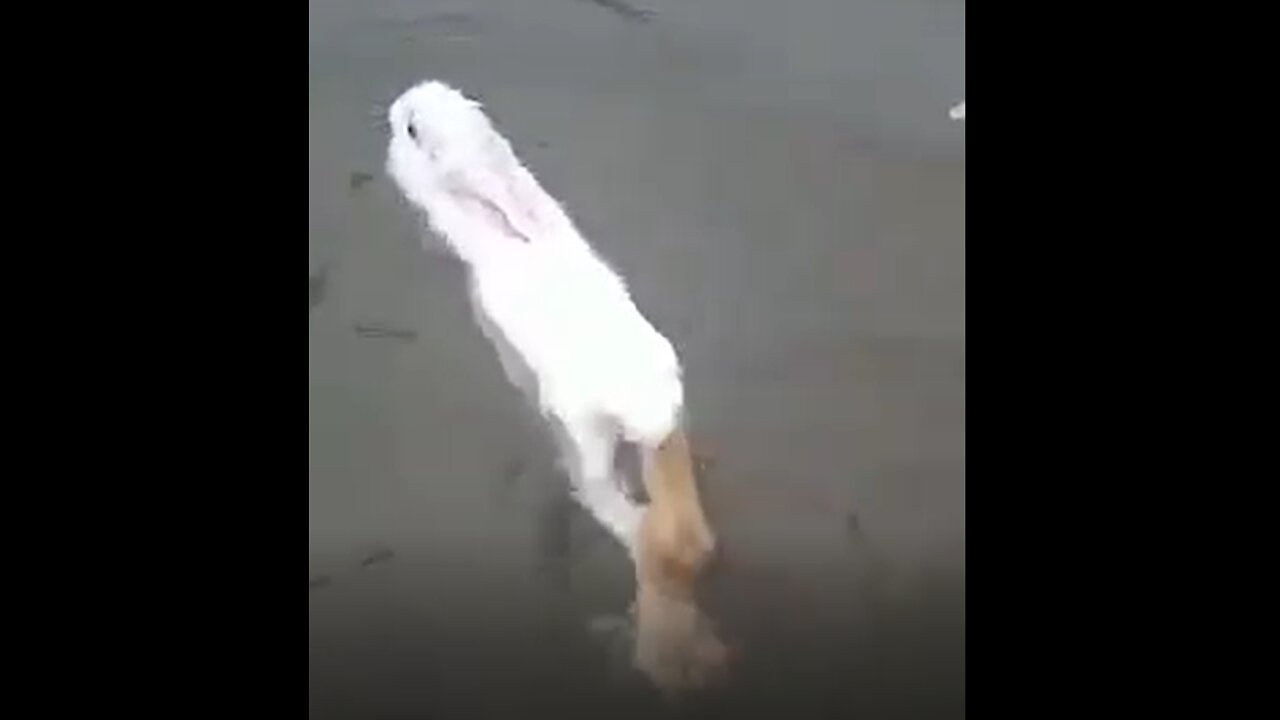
(413, 132)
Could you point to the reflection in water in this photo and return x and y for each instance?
(668, 638)
(675, 642)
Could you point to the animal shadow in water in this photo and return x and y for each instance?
(555, 538)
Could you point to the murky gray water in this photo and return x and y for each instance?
(783, 188)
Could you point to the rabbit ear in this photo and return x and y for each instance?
(509, 195)
(493, 214)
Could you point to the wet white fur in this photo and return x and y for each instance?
(562, 321)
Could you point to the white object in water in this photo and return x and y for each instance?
(957, 112)
(562, 320)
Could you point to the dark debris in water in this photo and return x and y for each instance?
(359, 179)
(319, 284)
(318, 582)
(512, 473)
(444, 24)
(379, 331)
(853, 526)
(625, 10)
(376, 555)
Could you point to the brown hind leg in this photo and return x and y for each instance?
(676, 645)
(676, 538)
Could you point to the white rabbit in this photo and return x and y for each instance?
(563, 322)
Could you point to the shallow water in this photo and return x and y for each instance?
(785, 192)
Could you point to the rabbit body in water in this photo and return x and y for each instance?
(562, 321)
(567, 333)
